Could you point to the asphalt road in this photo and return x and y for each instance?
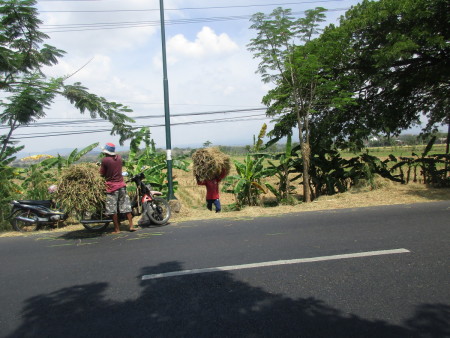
(286, 276)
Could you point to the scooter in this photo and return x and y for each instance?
(30, 215)
(147, 202)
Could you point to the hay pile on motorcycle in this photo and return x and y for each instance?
(81, 188)
(209, 163)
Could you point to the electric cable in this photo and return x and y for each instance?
(89, 121)
(185, 8)
(120, 25)
(40, 135)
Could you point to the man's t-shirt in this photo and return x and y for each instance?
(111, 169)
(212, 189)
(212, 186)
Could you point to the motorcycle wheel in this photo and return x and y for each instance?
(23, 226)
(95, 221)
(159, 211)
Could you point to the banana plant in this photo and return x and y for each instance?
(428, 165)
(151, 162)
(138, 159)
(36, 180)
(248, 184)
(64, 162)
(284, 165)
(380, 167)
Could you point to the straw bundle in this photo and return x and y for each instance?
(81, 188)
(209, 163)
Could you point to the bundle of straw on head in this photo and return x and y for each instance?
(81, 188)
(210, 163)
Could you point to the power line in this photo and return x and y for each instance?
(239, 119)
(225, 120)
(136, 24)
(89, 121)
(187, 8)
(68, 0)
(105, 26)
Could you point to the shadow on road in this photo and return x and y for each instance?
(206, 305)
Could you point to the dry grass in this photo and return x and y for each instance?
(80, 188)
(192, 198)
(209, 163)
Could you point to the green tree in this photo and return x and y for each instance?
(274, 45)
(397, 59)
(207, 144)
(303, 82)
(29, 92)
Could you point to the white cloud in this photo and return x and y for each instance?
(207, 43)
(97, 32)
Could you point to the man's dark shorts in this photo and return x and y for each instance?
(118, 198)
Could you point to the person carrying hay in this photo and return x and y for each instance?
(116, 191)
(212, 190)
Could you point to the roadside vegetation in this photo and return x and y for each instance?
(349, 90)
(269, 181)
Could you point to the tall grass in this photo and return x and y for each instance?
(397, 151)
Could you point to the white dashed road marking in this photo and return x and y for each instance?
(275, 263)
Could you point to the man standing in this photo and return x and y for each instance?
(116, 191)
(212, 191)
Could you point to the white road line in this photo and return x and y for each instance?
(273, 263)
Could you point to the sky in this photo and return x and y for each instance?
(114, 48)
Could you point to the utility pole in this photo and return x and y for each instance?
(170, 194)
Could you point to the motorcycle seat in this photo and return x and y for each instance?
(45, 203)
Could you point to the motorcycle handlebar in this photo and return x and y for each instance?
(139, 176)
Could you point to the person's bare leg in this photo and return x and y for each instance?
(115, 219)
(130, 221)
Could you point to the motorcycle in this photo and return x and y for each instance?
(30, 215)
(147, 202)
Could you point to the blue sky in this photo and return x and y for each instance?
(209, 67)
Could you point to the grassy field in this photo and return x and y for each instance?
(398, 151)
